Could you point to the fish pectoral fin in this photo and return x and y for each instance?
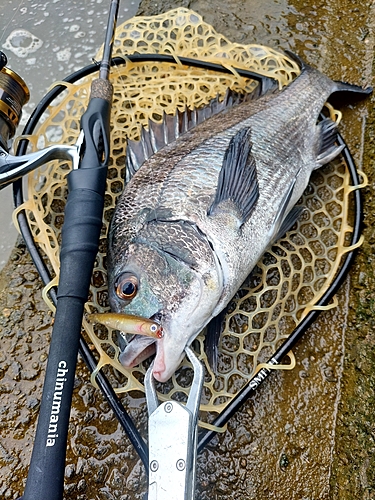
(289, 222)
(238, 180)
(328, 149)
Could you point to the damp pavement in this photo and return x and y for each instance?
(307, 434)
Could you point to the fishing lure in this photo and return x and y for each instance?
(129, 324)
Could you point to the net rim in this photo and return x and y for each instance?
(205, 435)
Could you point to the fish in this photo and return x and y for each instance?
(126, 323)
(205, 198)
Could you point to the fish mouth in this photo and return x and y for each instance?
(141, 348)
(138, 350)
(162, 370)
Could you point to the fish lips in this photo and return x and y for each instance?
(141, 348)
(138, 349)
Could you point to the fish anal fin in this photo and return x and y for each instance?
(282, 212)
(328, 149)
(289, 222)
(238, 182)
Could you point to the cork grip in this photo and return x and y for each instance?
(102, 89)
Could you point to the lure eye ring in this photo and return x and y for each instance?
(126, 286)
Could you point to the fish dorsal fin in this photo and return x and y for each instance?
(238, 181)
(171, 127)
(328, 149)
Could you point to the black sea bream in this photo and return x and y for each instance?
(199, 213)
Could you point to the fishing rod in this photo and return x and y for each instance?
(79, 247)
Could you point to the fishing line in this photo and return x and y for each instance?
(11, 19)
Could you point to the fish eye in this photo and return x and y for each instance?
(126, 286)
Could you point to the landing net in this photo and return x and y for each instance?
(292, 276)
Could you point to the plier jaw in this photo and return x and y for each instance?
(173, 432)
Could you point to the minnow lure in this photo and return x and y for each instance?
(127, 323)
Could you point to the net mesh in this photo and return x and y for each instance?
(292, 275)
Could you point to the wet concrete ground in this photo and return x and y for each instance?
(307, 434)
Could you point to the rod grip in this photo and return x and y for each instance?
(102, 89)
(80, 240)
(45, 479)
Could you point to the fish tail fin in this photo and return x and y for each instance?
(338, 85)
(348, 87)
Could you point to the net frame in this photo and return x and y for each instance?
(280, 354)
(38, 258)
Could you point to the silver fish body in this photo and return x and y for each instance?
(199, 213)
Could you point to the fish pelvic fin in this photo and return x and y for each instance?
(238, 180)
(212, 339)
(328, 149)
(160, 134)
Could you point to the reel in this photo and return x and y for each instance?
(14, 94)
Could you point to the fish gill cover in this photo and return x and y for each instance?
(292, 275)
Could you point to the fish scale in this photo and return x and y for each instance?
(227, 187)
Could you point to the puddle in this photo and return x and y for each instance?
(22, 43)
